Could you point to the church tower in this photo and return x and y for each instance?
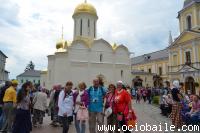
(189, 16)
(85, 20)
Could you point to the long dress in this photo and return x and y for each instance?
(175, 116)
(22, 122)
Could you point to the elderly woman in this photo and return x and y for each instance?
(81, 100)
(176, 106)
(123, 104)
(193, 115)
(39, 108)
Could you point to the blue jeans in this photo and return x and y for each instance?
(193, 119)
(2, 120)
(80, 126)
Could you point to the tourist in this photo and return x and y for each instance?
(169, 102)
(144, 94)
(166, 105)
(9, 99)
(22, 122)
(96, 97)
(123, 105)
(128, 89)
(39, 108)
(65, 105)
(2, 93)
(53, 104)
(110, 105)
(133, 92)
(193, 115)
(177, 106)
(138, 92)
(149, 95)
(81, 101)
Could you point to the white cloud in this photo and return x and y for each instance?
(30, 28)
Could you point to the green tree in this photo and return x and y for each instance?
(30, 66)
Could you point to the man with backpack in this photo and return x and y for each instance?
(96, 99)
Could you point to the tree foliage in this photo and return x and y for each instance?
(30, 66)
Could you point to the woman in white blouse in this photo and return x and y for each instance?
(65, 104)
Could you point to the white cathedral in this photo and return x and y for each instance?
(86, 57)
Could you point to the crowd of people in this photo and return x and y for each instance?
(24, 108)
(182, 108)
(95, 104)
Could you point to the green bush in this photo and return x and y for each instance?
(156, 100)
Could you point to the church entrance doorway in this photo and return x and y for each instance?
(190, 85)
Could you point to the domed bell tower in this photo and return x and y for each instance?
(85, 20)
(189, 18)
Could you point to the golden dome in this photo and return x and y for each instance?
(85, 8)
(60, 44)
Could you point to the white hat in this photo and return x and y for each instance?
(176, 83)
(120, 82)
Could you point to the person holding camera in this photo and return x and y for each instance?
(96, 99)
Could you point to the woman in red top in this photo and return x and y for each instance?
(123, 106)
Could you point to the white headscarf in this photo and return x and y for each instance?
(120, 82)
(175, 83)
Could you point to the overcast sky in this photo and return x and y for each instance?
(29, 29)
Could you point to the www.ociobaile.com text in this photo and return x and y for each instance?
(147, 128)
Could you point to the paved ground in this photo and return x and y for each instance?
(146, 114)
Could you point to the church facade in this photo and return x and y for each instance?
(86, 57)
(181, 59)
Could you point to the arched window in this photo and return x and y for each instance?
(88, 27)
(94, 29)
(189, 22)
(122, 73)
(81, 27)
(88, 23)
(188, 57)
(101, 57)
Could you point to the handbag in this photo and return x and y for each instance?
(82, 113)
(108, 110)
(131, 120)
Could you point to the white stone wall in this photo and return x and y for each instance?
(87, 31)
(3, 74)
(82, 64)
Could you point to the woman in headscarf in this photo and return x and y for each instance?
(176, 106)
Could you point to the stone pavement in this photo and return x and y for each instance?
(146, 114)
